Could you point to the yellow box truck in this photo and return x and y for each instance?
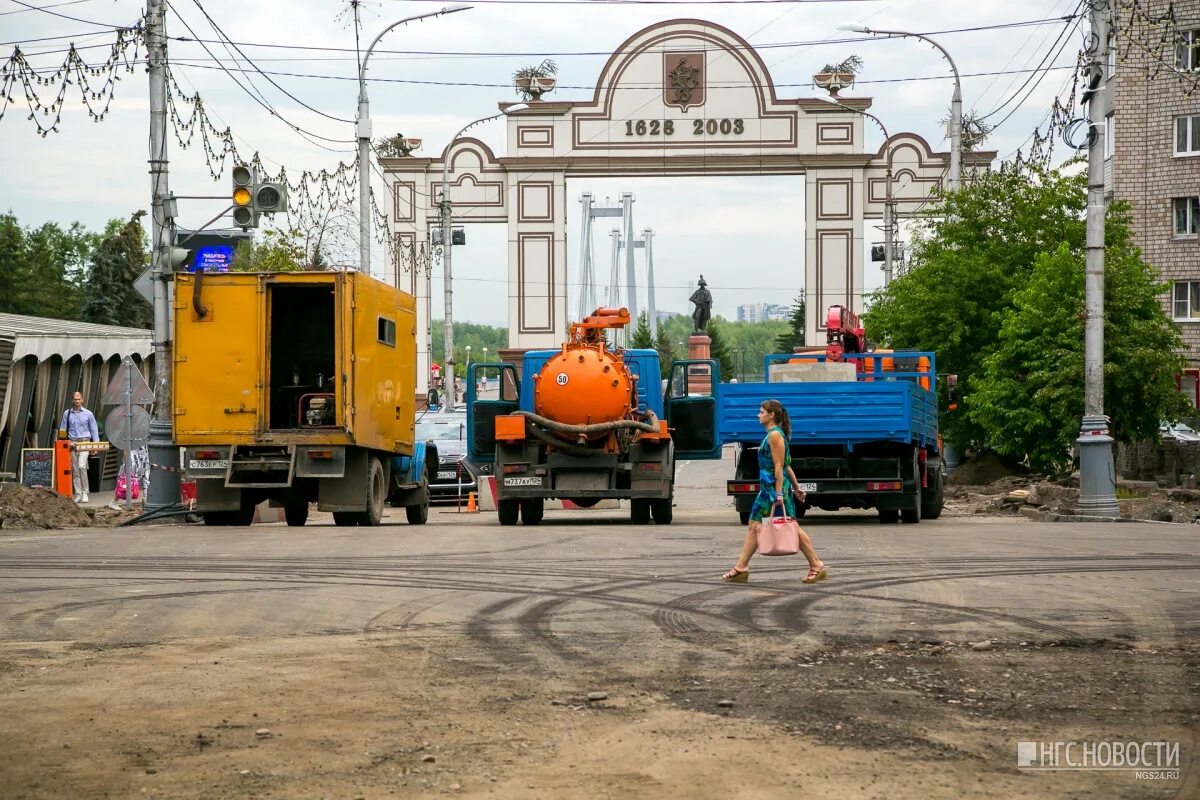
(296, 388)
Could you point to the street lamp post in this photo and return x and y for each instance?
(448, 250)
(889, 201)
(955, 103)
(363, 131)
(468, 348)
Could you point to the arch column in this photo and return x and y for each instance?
(537, 259)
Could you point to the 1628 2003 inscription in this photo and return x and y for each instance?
(698, 127)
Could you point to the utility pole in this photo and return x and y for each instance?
(1097, 478)
(164, 456)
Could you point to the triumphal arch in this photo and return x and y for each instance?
(683, 97)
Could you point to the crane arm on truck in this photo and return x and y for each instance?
(843, 333)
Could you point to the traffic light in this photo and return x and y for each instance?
(245, 215)
(270, 198)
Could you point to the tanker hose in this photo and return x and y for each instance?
(567, 447)
(650, 426)
(538, 422)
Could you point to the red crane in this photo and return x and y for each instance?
(844, 334)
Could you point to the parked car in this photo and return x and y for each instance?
(449, 432)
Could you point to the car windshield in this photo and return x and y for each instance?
(441, 430)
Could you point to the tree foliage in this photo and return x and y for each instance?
(997, 291)
(43, 269)
(789, 340)
(719, 348)
(277, 252)
(119, 258)
(640, 336)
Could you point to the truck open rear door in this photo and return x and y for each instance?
(500, 396)
(690, 407)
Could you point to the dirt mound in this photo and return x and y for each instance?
(977, 470)
(23, 508)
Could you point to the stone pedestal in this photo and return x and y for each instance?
(699, 378)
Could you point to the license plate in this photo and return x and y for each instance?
(522, 481)
(447, 476)
(205, 464)
(807, 487)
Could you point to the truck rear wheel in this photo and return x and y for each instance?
(744, 517)
(376, 493)
(889, 516)
(418, 514)
(936, 494)
(507, 511)
(218, 517)
(296, 513)
(532, 511)
(639, 511)
(346, 519)
(662, 510)
(911, 516)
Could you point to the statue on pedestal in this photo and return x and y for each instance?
(702, 297)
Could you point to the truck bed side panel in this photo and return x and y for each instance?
(832, 413)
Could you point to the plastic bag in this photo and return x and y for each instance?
(125, 486)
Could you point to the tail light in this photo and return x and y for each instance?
(884, 486)
(511, 468)
(320, 455)
(207, 455)
(741, 488)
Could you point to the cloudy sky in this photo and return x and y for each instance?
(429, 78)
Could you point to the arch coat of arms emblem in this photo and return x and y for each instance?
(683, 79)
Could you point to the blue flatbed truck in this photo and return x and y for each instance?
(867, 443)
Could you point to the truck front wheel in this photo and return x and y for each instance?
(911, 516)
(507, 511)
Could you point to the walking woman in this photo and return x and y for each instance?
(775, 489)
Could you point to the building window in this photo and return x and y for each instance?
(1187, 215)
(1187, 51)
(1186, 301)
(1187, 135)
(387, 331)
(1110, 135)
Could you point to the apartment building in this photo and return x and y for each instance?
(1154, 145)
(761, 312)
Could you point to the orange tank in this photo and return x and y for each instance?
(583, 385)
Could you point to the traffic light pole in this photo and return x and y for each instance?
(164, 456)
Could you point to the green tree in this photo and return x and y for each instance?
(666, 350)
(277, 252)
(967, 262)
(792, 338)
(641, 334)
(43, 269)
(116, 262)
(719, 348)
(1029, 397)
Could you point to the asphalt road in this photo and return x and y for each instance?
(587, 592)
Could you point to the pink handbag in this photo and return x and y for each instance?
(779, 536)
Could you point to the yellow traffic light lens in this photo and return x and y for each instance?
(241, 196)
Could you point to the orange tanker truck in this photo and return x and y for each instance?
(582, 423)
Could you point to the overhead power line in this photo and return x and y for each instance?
(46, 10)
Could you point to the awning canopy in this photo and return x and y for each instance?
(43, 338)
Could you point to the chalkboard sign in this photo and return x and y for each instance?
(37, 467)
